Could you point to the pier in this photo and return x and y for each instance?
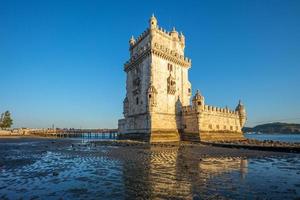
(73, 133)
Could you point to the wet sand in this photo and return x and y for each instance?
(44, 168)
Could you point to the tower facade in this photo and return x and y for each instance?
(157, 84)
(157, 106)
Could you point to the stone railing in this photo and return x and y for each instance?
(212, 110)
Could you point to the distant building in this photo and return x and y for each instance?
(157, 105)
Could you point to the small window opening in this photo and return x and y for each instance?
(170, 67)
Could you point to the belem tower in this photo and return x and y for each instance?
(158, 105)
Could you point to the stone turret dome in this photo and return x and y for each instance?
(240, 107)
(153, 18)
(197, 96)
(174, 33)
(132, 40)
(153, 21)
(174, 30)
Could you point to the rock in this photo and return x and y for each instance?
(55, 173)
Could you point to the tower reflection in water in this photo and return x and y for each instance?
(177, 172)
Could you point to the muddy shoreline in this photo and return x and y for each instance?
(65, 168)
(250, 144)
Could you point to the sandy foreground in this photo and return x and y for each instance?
(47, 168)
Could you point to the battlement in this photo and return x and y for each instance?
(171, 34)
(138, 56)
(159, 30)
(209, 109)
(136, 41)
(164, 31)
(159, 50)
(214, 109)
(171, 55)
(168, 44)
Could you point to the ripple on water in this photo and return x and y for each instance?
(89, 172)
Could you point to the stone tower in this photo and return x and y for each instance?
(157, 85)
(157, 105)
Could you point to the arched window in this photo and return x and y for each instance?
(170, 67)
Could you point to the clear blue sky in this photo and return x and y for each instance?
(61, 62)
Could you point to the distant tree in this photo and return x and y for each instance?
(6, 120)
(1, 120)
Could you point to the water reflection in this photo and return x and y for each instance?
(217, 166)
(58, 169)
(174, 173)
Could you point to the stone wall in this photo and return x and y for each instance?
(219, 120)
(211, 123)
(135, 124)
(190, 122)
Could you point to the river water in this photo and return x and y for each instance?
(76, 169)
(275, 137)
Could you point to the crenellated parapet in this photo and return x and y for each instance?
(158, 50)
(168, 45)
(223, 111)
(210, 110)
(171, 35)
(170, 55)
(138, 57)
(199, 106)
(139, 39)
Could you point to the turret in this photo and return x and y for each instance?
(125, 106)
(131, 41)
(152, 92)
(198, 101)
(153, 22)
(182, 39)
(240, 108)
(174, 33)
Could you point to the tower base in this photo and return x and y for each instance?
(152, 137)
(221, 136)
